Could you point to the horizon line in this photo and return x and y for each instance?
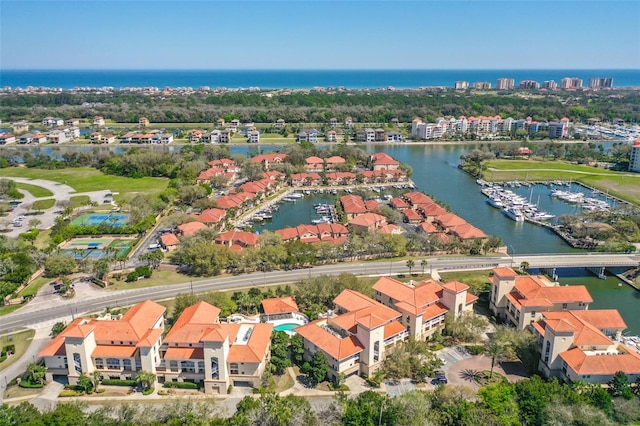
(319, 69)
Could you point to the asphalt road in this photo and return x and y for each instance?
(63, 309)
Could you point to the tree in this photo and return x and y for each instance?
(146, 379)
(96, 377)
(620, 386)
(423, 264)
(297, 349)
(34, 223)
(153, 258)
(497, 346)
(318, 368)
(59, 264)
(85, 383)
(524, 266)
(100, 268)
(35, 373)
(279, 352)
(410, 264)
(57, 328)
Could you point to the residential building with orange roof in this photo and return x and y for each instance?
(367, 223)
(585, 346)
(398, 204)
(234, 201)
(391, 229)
(117, 348)
(334, 233)
(200, 349)
(314, 164)
(467, 231)
(306, 179)
(522, 299)
(411, 216)
(278, 308)
(417, 199)
(211, 216)
(169, 242)
(191, 228)
(383, 161)
(340, 178)
(266, 159)
(335, 160)
(237, 240)
(353, 205)
(354, 336)
(424, 305)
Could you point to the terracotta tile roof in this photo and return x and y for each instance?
(434, 311)
(255, 348)
(301, 177)
(416, 198)
(390, 229)
(269, 158)
(411, 215)
(383, 158)
(279, 305)
(427, 227)
(601, 318)
(353, 204)
(184, 353)
(211, 215)
(335, 159)
(535, 287)
(585, 333)
(504, 272)
(455, 286)
(54, 348)
(314, 160)
(371, 205)
(191, 228)
(369, 219)
(398, 203)
(467, 231)
(272, 175)
(418, 299)
(142, 316)
(336, 347)
(393, 328)
(449, 220)
(584, 364)
(169, 240)
(114, 351)
(242, 238)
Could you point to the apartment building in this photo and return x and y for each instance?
(601, 83)
(585, 345)
(354, 336)
(200, 349)
(550, 84)
(461, 85)
(529, 84)
(634, 160)
(571, 83)
(118, 348)
(505, 84)
(522, 299)
(482, 85)
(424, 305)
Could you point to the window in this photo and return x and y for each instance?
(200, 366)
(188, 366)
(233, 367)
(77, 363)
(173, 365)
(113, 364)
(126, 364)
(215, 374)
(99, 363)
(564, 306)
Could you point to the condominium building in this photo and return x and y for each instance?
(571, 83)
(529, 84)
(634, 160)
(558, 129)
(601, 83)
(423, 305)
(482, 85)
(585, 345)
(505, 84)
(550, 84)
(118, 348)
(462, 85)
(521, 299)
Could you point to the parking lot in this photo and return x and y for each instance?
(452, 355)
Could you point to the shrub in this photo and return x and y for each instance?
(28, 385)
(181, 385)
(132, 276)
(373, 382)
(475, 350)
(118, 382)
(436, 347)
(230, 389)
(148, 391)
(70, 392)
(101, 390)
(162, 392)
(9, 348)
(2, 358)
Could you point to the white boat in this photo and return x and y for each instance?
(296, 195)
(514, 214)
(495, 202)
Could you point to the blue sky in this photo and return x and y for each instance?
(319, 34)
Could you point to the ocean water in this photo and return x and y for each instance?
(293, 79)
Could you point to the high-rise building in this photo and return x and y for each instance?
(529, 84)
(634, 161)
(550, 84)
(482, 85)
(601, 83)
(571, 83)
(505, 84)
(462, 85)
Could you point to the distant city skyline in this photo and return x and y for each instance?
(319, 35)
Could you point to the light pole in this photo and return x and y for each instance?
(513, 253)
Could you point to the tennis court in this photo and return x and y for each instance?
(95, 219)
(96, 248)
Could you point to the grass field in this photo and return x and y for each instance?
(35, 190)
(158, 278)
(84, 179)
(44, 204)
(5, 310)
(21, 340)
(623, 185)
(476, 280)
(33, 288)
(79, 201)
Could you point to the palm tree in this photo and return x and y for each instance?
(410, 264)
(424, 264)
(146, 379)
(524, 266)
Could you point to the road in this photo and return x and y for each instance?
(59, 309)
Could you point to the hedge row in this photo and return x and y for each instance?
(181, 385)
(28, 385)
(118, 382)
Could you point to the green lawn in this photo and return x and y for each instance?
(158, 278)
(21, 340)
(623, 185)
(84, 179)
(43, 204)
(78, 201)
(5, 310)
(35, 285)
(35, 190)
(476, 280)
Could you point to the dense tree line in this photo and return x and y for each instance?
(305, 107)
(527, 402)
(18, 261)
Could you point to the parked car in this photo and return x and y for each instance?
(440, 378)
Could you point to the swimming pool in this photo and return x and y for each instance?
(289, 326)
